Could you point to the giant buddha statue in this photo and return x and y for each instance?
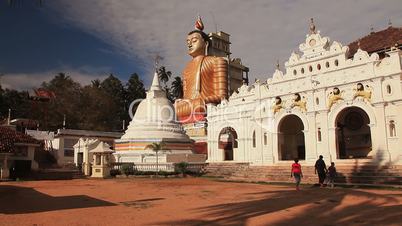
(204, 78)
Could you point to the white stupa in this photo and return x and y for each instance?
(153, 122)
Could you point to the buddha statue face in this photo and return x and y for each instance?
(196, 44)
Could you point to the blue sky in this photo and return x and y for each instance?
(88, 39)
(35, 40)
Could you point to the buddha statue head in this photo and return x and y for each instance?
(197, 40)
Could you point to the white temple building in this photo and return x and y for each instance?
(155, 122)
(328, 101)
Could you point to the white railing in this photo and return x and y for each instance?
(153, 167)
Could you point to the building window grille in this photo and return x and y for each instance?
(319, 136)
(392, 129)
(254, 140)
(389, 90)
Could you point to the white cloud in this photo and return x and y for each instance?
(261, 31)
(27, 81)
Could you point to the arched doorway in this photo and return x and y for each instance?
(227, 142)
(291, 138)
(353, 134)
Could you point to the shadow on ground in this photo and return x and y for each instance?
(311, 206)
(372, 172)
(20, 200)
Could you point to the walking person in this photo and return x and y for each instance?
(321, 169)
(331, 175)
(296, 172)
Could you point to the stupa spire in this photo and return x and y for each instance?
(155, 83)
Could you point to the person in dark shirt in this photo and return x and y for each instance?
(331, 175)
(296, 172)
(321, 169)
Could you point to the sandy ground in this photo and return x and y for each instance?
(191, 201)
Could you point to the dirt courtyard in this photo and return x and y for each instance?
(191, 201)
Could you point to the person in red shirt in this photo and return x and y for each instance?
(296, 173)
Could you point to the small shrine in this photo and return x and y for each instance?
(101, 159)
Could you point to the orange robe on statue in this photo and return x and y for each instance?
(205, 80)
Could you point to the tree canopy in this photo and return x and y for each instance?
(102, 105)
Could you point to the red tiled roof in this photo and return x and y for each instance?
(377, 41)
(9, 137)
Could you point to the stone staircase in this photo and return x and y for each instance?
(362, 172)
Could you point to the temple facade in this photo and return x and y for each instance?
(342, 102)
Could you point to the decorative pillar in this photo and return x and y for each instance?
(275, 145)
(378, 130)
(332, 145)
(5, 172)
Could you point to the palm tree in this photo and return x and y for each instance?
(164, 75)
(156, 147)
(177, 88)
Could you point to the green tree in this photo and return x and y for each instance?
(157, 147)
(177, 88)
(95, 108)
(113, 87)
(17, 101)
(134, 91)
(135, 88)
(66, 102)
(163, 74)
(2, 104)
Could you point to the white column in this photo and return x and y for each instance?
(275, 149)
(310, 139)
(332, 145)
(378, 131)
(5, 172)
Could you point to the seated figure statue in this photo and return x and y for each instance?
(360, 92)
(204, 78)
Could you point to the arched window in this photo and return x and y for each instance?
(392, 130)
(319, 136)
(265, 138)
(254, 140)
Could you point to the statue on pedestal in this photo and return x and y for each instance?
(205, 78)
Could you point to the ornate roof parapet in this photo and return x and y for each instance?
(314, 48)
(314, 45)
(364, 56)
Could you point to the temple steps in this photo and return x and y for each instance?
(367, 173)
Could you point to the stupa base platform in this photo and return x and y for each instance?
(163, 157)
